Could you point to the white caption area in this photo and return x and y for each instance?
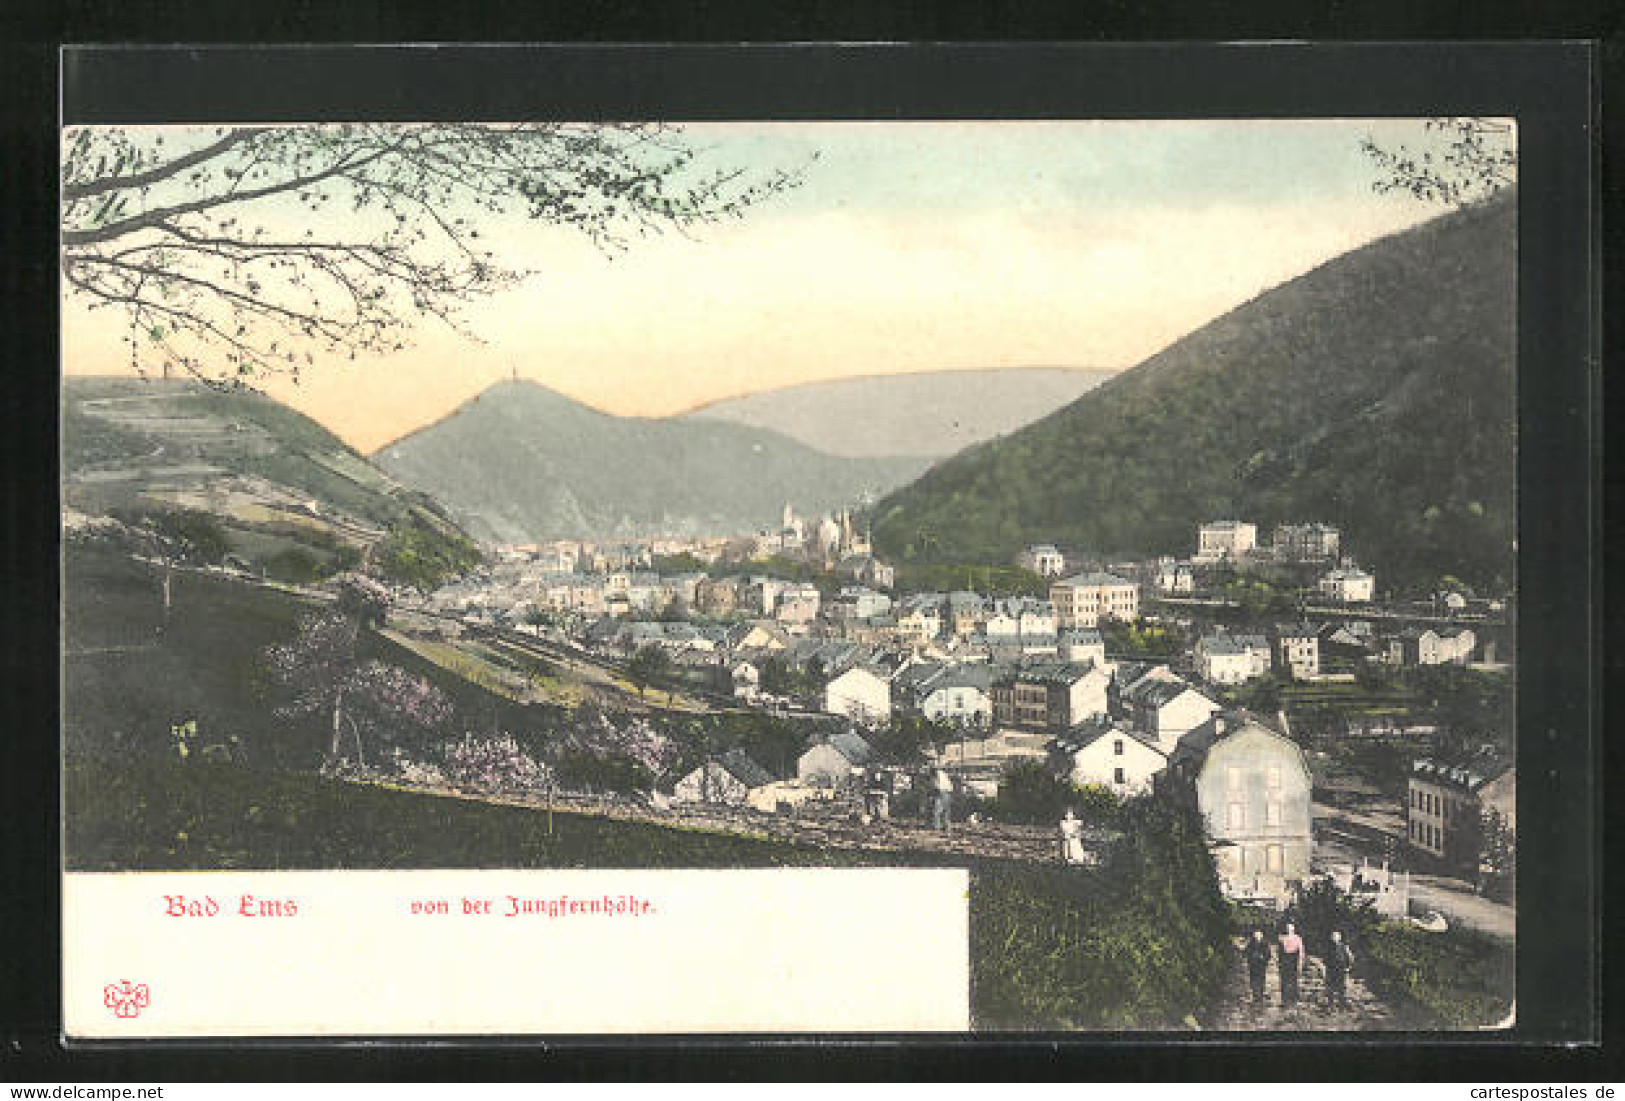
(772, 950)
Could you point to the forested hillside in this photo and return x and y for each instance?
(1375, 392)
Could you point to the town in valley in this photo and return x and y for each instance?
(1124, 677)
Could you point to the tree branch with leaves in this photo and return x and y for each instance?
(234, 253)
(1471, 159)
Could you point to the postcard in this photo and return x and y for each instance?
(547, 578)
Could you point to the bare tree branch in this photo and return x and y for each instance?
(201, 246)
(92, 187)
(1471, 159)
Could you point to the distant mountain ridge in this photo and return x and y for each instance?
(520, 463)
(934, 413)
(1375, 393)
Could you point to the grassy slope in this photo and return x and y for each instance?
(1375, 393)
(125, 683)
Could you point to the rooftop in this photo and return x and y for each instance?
(1094, 578)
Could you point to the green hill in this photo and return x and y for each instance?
(265, 483)
(1375, 393)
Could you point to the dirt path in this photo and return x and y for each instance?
(1237, 1013)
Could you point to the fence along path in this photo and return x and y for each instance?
(828, 824)
(1237, 1013)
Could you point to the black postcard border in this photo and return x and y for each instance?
(1550, 87)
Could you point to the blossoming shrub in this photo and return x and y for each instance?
(495, 765)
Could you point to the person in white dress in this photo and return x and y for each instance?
(1071, 838)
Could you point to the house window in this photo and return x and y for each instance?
(1272, 813)
(1232, 777)
(1275, 776)
(1117, 748)
(1117, 776)
(1274, 859)
(1236, 816)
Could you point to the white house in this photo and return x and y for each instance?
(1018, 617)
(1232, 659)
(1175, 577)
(727, 779)
(1350, 585)
(832, 760)
(746, 677)
(1223, 539)
(1415, 646)
(859, 602)
(1220, 661)
(1034, 618)
(961, 695)
(861, 693)
(1043, 559)
(1084, 647)
(1105, 753)
(1252, 787)
(1164, 710)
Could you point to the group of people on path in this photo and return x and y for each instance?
(1290, 954)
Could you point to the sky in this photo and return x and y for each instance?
(908, 247)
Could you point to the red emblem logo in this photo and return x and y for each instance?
(126, 999)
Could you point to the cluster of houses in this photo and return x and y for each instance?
(1230, 542)
(1013, 677)
(1127, 728)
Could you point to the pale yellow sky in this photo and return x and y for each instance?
(909, 247)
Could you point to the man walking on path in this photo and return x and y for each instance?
(1257, 954)
(1339, 961)
(1291, 964)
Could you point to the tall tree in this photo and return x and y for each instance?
(320, 673)
(237, 252)
(648, 666)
